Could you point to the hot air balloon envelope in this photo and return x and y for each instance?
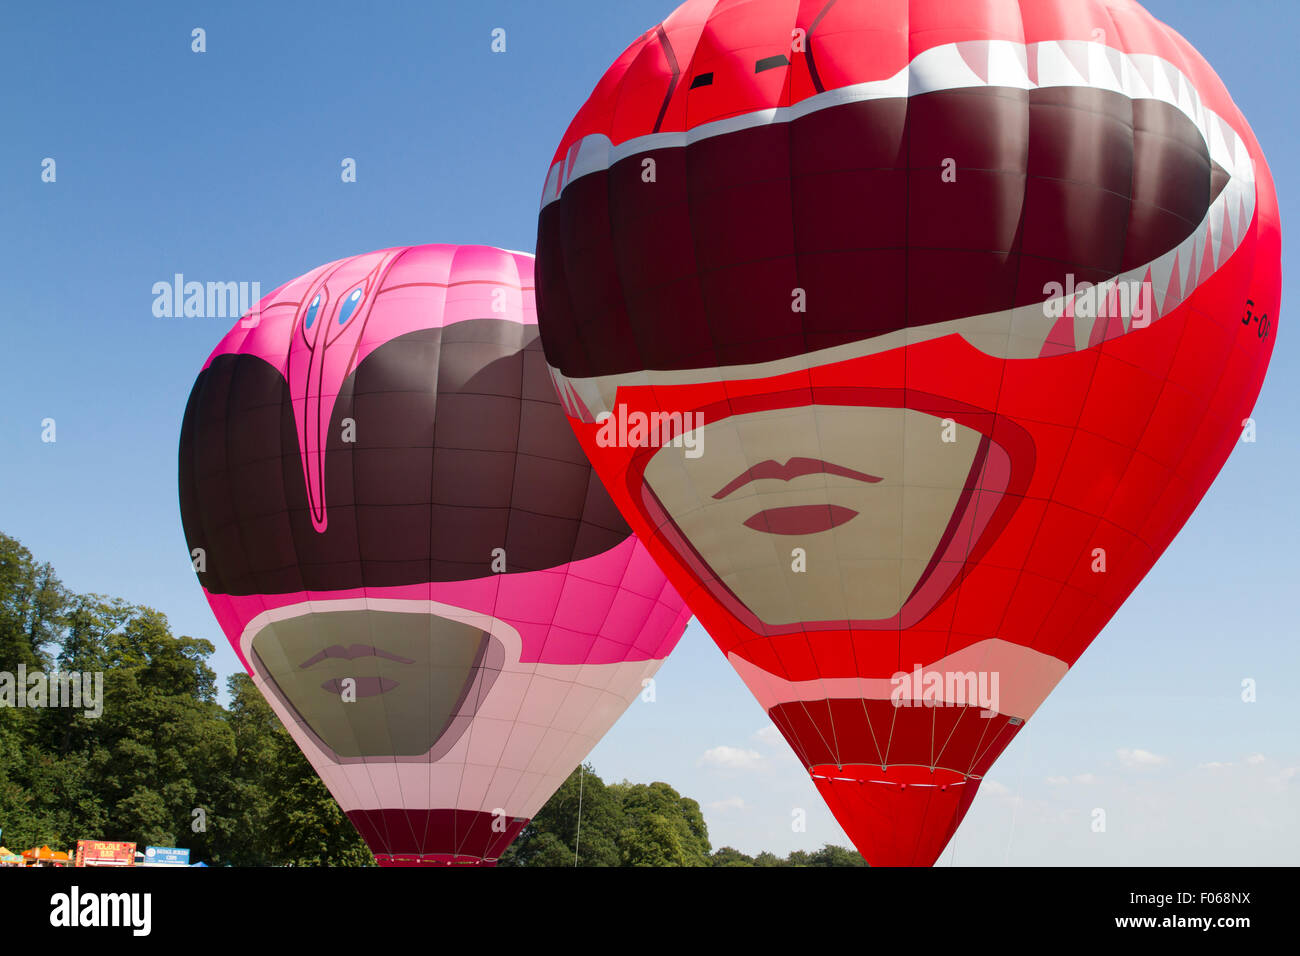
(962, 307)
(408, 549)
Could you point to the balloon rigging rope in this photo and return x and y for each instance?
(1015, 807)
(582, 774)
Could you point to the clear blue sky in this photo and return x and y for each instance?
(225, 166)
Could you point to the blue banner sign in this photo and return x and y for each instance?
(166, 856)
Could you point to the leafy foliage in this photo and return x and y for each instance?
(165, 764)
(636, 824)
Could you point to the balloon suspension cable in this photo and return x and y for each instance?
(1015, 807)
(582, 772)
(952, 857)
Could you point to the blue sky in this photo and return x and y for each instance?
(225, 166)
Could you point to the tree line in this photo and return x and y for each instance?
(166, 764)
(636, 824)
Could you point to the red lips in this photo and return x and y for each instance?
(792, 469)
(800, 519)
(797, 519)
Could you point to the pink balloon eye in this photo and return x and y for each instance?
(349, 306)
(312, 309)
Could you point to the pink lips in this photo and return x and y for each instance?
(363, 686)
(800, 519)
(351, 653)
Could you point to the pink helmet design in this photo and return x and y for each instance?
(408, 550)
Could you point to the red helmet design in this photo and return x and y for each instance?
(907, 335)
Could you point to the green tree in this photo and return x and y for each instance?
(831, 855)
(643, 801)
(553, 838)
(31, 605)
(272, 808)
(544, 849)
(729, 856)
(653, 841)
(163, 753)
(304, 825)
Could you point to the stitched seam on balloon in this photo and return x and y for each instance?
(803, 335)
(1135, 534)
(469, 733)
(808, 50)
(1002, 371)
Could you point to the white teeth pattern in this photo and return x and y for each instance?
(1119, 67)
(1222, 243)
(1218, 147)
(1055, 67)
(1214, 232)
(552, 187)
(1018, 66)
(1190, 103)
(577, 396)
(1161, 271)
(1161, 88)
(1007, 65)
(1100, 72)
(1232, 210)
(940, 68)
(1139, 75)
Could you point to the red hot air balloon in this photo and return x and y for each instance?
(409, 551)
(907, 334)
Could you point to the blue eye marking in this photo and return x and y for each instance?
(349, 306)
(311, 312)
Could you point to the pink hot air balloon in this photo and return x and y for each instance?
(409, 551)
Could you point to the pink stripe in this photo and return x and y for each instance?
(608, 608)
